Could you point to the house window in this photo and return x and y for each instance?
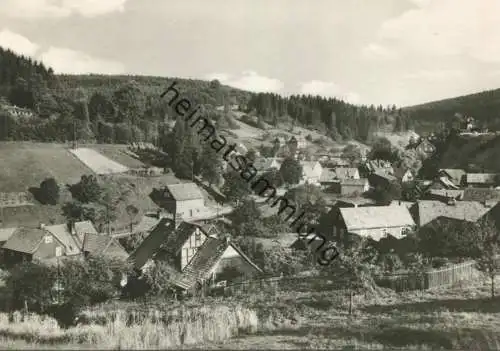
(48, 239)
(58, 251)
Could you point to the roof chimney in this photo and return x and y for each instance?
(227, 239)
(42, 226)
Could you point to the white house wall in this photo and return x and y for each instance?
(189, 208)
(379, 233)
(191, 246)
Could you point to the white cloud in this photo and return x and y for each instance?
(435, 75)
(251, 81)
(59, 8)
(445, 28)
(377, 51)
(75, 62)
(329, 89)
(61, 60)
(351, 97)
(221, 77)
(317, 87)
(17, 43)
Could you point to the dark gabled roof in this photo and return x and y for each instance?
(182, 233)
(385, 175)
(201, 264)
(467, 211)
(456, 175)
(26, 240)
(165, 237)
(98, 244)
(207, 256)
(184, 191)
(447, 193)
(152, 242)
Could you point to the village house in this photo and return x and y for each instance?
(404, 175)
(375, 222)
(351, 187)
(425, 147)
(443, 194)
(46, 242)
(481, 180)
(454, 175)
(381, 166)
(342, 173)
(184, 200)
(481, 194)
(103, 245)
(311, 172)
(442, 183)
(264, 164)
(194, 256)
(381, 179)
(328, 177)
(425, 211)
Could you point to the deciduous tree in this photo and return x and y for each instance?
(235, 188)
(291, 170)
(488, 250)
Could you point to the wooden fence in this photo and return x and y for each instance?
(435, 278)
(306, 284)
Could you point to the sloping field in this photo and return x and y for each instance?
(398, 139)
(117, 153)
(25, 165)
(98, 163)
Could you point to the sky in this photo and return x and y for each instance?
(401, 52)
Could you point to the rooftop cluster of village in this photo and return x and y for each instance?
(190, 223)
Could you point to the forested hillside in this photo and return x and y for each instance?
(337, 117)
(483, 106)
(471, 153)
(123, 109)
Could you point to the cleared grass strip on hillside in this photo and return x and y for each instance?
(97, 162)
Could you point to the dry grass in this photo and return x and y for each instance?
(456, 318)
(119, 330)
(116, 152)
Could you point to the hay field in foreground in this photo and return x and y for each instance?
(461, 318)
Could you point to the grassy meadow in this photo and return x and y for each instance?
(455, 318)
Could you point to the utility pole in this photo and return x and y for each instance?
(74, 134)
